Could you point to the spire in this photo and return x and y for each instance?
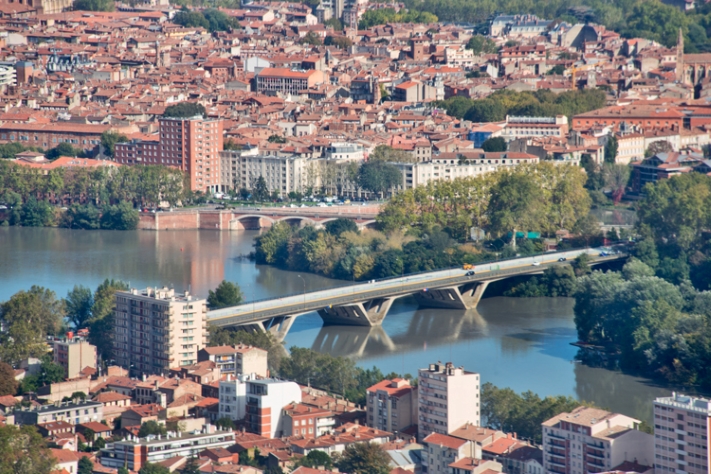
(680, 76)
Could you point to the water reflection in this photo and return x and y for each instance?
(520, 343)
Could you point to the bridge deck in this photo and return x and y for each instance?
(254, 312)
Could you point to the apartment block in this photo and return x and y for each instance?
(448, 398)
(134, 453)
(287, 81)
(442, 450)
(156, 329)
(392, 405)
(192, 145)
(282, 174)
(589, 440)
(71, 412)
(681, 431)
(236, 360)
(524, 127)
(306, 421)
(260, 402)
(74, 354)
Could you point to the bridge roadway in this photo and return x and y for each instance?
(367, 304)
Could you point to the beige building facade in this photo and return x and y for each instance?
(448, 398)
(74, 355)
(392, 405)
(681, 430)
(156, 329)
(237, 360)
(589, 440)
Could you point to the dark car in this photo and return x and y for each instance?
(470, 273)
(562, 259)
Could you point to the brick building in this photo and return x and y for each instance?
(49, 135)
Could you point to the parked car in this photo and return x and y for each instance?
(470, 273)
(562, 259)
(536, 264)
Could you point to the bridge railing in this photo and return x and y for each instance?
(491, 267)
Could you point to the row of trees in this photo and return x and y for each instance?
(539, 198)
(382, 16)
(138, 185)
(211, 19)
(541, 103)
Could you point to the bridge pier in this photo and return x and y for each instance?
(464, 296)
(368, 313)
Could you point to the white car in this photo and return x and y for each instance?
(536, 264)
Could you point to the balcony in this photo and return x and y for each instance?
(555, 461)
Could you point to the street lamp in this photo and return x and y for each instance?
(304, 281)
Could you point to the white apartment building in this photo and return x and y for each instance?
(590, 440)
(681, 431)
(448, 398)
(230, 162)
(449, 166)
(392, 405)
(459, 56)
(344, 151)
(135, 453)
(156, 329)
(630, 147)
(261, 401)
(282, 174)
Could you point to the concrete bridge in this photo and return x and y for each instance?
(367, 304)
(258, 218)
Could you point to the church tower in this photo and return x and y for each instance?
(680, 76)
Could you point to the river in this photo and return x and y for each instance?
(513, 342)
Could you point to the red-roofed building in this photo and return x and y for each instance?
(392, 405)
(306, 421)
(474, 466)
(441, 450)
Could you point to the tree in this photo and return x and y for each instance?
(85, 466)
(276, 139)
(34, 213)
(120, 217)
(481, 45)
(100, 443)
(312, 39)
(388, 154)
(109, 139)
(78, 303)
(150, 468)
(516, 204)
(219, 21)
(378, 176)
(101, 325)
(190, 19)
(24, 451)
(611, 150)
(260, 192)
(63, 149)
(341, 42)
(616, 178)
(316, 459)
(151, 428)
(341, 225)
(226, 294)
(94, 5)
(184, 110)
(581, 264)
(28, 317)
(660, 146)
(494, 144)
(364, 458)
(191, 467)
(225, 423)
(557, 70)
(51, 372)
(8, 384)
(334, 23)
